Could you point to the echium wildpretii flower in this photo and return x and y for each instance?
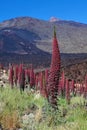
(46, 76)
(36, 81)
(67, 91)
(27, 75)
(72, 85)
(42, 85)
(11, 75)
(15, 74)
(21, 77)
(53, 79)
(19, 73)
(32, 77)
(41, 81)
(85, 89)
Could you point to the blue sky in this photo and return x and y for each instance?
(75, 10)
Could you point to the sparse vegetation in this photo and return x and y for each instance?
(14, 105)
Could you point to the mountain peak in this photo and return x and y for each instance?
(54, 19)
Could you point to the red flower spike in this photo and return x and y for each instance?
(46, 76)
(11, 75)
(32, 80)
(67, 92)
(72, 85)
(85, 89)
(21, 77)
(53, 79)
(15, 74)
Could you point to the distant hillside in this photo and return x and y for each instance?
(33, 38)
(72, 36)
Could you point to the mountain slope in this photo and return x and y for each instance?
(30, 38)
(72, 36)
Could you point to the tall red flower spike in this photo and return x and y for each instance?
(32, 80)
(19, 73)
(72, 85)
(85, 89)
(67, 92)
(11, 74)
(36, 81)
(16, 74)
(27, 75)
(46, 75)
(42, 84)
(53, 79)
(21, 77)
(41, 81)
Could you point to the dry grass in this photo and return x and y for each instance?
(10, 121)
(38, 115)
